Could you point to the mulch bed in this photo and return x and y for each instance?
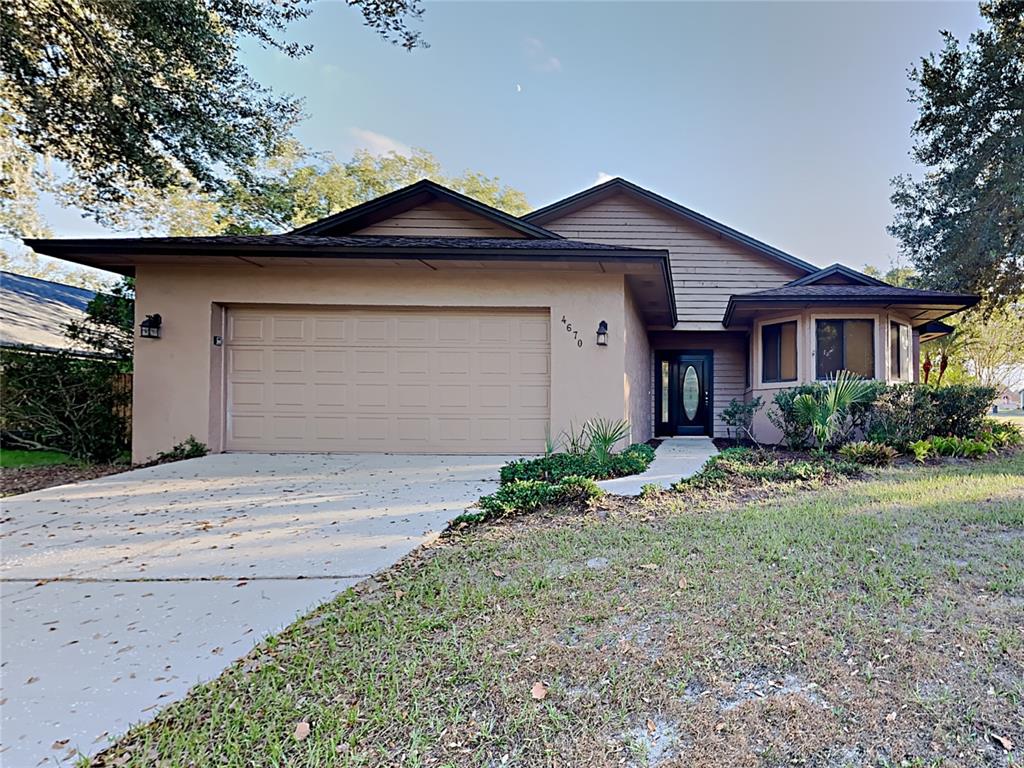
(15, 480)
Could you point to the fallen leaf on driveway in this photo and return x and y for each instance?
(31, 680)
(301, 731)
(539, 691)
(60, 744)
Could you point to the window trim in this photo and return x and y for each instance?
(796, 351)
(757, 367)
(900, 375)
(841, 316)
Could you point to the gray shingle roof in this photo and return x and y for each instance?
(35, 312)
(828, 291)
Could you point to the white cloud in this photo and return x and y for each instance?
(602, 177)
(378, 143)
(538, 56)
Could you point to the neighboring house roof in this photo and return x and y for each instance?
(401, 200)
(941, 302)
(34, 313)
(835, 272)
(621, 186)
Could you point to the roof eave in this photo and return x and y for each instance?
(961, 301)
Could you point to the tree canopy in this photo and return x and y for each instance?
(127, 94)
(962, 224)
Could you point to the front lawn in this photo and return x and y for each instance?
(15, 458)
(873, 623)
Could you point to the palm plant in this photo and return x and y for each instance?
(603, 435)
(825, 412)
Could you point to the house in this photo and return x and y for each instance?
(424, 321)
(34, 313)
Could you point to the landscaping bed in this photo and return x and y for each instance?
(821, 621)
(15, 480)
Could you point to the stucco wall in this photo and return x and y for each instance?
(178, 379)
(764, 430)
(637, 376)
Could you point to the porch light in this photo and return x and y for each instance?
(150, 327)
(602, 334)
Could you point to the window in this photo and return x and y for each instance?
(845, 345)
(899, 351)
(778, 352)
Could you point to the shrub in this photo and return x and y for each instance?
(796, 430)
(1001, 434)
(869, 453)
(922, 449)
(946, 446)
(531, 495)
(553, 468)
(974, 449)
(960, 409)
(901, 414)
(75, 405)
(190, 448)
(739, 415)
(724, 469)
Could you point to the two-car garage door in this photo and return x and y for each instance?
(407, 381)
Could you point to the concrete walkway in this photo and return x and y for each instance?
(119, 594)
(674, 459)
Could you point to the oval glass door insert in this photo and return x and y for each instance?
(691, 392)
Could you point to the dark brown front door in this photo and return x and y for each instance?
(684, 393)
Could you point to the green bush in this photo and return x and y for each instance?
(190, 448)
(960, 409)
(57, 401)
(633, 460)
(869, 453)
(796, 425)
(1001, 434)
(531, 495)
(739, 415)
(922, 449)
(901, 415)
(732, 464)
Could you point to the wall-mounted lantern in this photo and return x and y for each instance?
(602, 334)
(150, 327)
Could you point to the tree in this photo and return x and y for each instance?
(130, 94)
(295, 187)
(109, 323)
(901, 277)
(985, 348)
(962, 224)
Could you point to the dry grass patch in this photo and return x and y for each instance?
(875, 623)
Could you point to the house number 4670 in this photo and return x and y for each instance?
(573, 331)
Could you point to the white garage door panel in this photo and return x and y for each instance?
(387, 380)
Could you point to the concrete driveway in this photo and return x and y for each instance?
(119, 594)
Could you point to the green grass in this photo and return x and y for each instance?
(11, 459)
(874, 623)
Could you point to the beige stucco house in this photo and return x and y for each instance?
(424, 321)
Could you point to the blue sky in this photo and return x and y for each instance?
(786, 121)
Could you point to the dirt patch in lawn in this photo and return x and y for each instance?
(877, 623)
(15, 480)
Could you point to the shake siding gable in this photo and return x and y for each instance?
(438, 219)
(706, 268)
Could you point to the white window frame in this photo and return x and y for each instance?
(881, 336)
(757, 353)
(907, 375)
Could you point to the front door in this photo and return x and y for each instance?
(684, 393)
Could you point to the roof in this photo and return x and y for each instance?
(620, 185)
(837, 271)
(401, 200)
(791, 295)
(34, 312)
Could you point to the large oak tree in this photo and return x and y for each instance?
(962, 223)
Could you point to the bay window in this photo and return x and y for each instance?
(844, 345)
(778, 352)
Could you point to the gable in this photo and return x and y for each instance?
(438, 218)
(707, 267)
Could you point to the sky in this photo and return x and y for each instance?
(785, 121)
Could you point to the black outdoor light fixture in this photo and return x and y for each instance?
(602, 334)
(150, 327)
